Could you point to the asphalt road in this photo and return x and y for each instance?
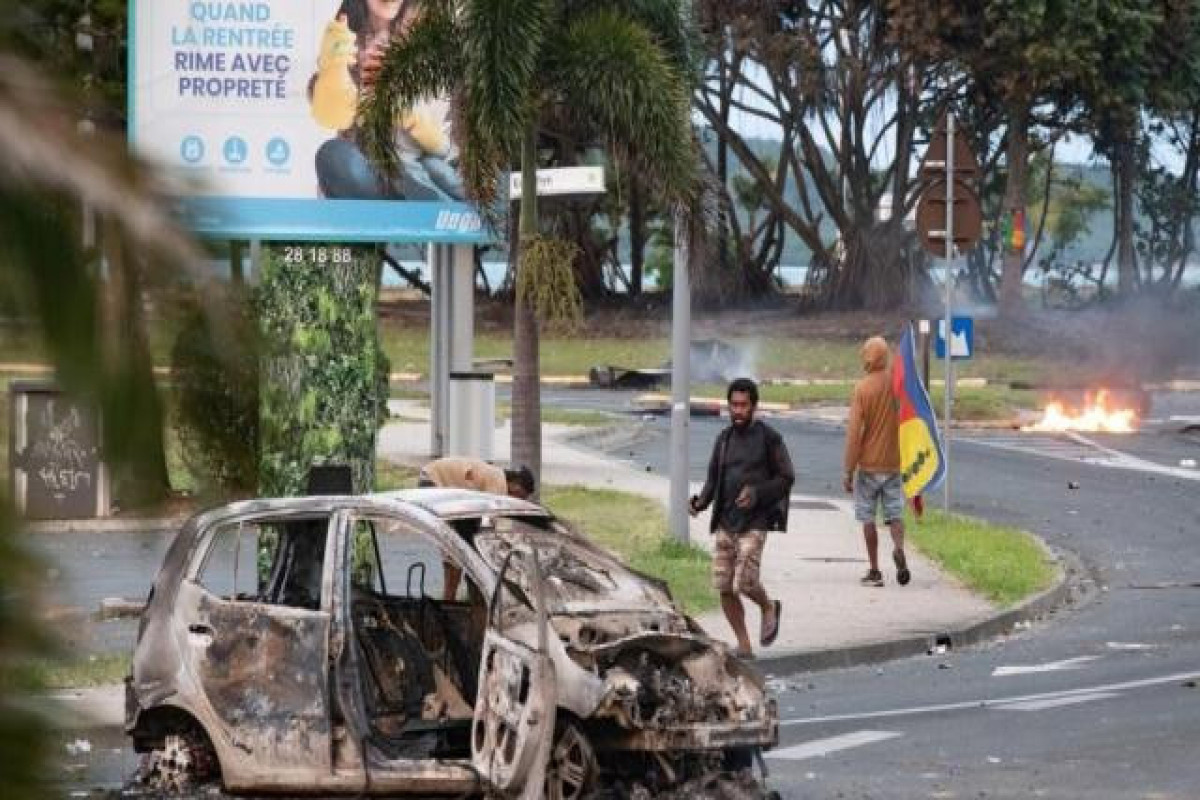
(1098, 701)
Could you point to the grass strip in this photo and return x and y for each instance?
(44, 674)
(1004, 564)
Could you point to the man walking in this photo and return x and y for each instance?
(872, 461)
(749, 483)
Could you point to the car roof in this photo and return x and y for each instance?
(456, 503)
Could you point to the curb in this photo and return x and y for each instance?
(105, 525)
(1068, 587)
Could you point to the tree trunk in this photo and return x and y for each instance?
(637, 237)
(526, 444)
(1126, 265)
(324, 377)
(1011, 270)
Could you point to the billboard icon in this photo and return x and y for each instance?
(235, 150)
(191, 149)
(278, 151)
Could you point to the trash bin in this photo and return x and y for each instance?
(55, 471)
(471, 414)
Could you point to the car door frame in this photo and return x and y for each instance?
(516, 706)
(276, 739)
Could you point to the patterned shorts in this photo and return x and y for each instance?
(873, 489)
(736, 561)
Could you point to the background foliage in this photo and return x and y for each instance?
(324, 376)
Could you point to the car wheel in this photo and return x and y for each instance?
(571, 773)
(183, 762)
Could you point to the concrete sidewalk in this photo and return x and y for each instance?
(813, 568)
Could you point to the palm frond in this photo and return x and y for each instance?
(670, 22)
(425, 63)
(607, 68)
(502, 43)
(48, 174)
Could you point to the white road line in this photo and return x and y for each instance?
(1079, 662)
(1130, 646)
(999, 701)
(1056, 702)
(823, 747)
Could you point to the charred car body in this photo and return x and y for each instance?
(311, 645)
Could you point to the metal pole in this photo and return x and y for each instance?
(439, 348)
(949, 332)
(681, 335)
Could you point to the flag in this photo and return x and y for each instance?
(922, 466)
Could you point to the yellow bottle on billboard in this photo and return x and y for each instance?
(335, 95)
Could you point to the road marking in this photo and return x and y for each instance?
(1079, 662)
(1130, 646)
(1072, 446)
(1056, 702)
(1175, 677)
(823, 747)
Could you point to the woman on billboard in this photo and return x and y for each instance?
(350, 56)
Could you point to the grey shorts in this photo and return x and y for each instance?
(872, 489)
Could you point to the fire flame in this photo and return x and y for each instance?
(1095, 416)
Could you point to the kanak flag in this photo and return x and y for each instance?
(922, 465)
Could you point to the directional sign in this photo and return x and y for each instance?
(931, 218)
(962, 343)
(560, 181)
(933, 165)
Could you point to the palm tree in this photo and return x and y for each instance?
(530, 77)
(49, 172)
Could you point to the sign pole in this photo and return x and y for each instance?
(949, 332)
(681, 337)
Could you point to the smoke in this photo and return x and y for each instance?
(1141, 341)
(718, 361)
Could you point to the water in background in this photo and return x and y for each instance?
(792, 275)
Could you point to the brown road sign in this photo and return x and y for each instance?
(933, 165)
(931, 218)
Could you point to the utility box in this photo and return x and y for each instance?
(55, 470)
(471, 423)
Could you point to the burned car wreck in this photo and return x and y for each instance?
(431, 641)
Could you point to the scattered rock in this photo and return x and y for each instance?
(79, 747)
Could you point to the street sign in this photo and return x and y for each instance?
(933, 165)
(931, 218)
(962, 338)
(561, 181)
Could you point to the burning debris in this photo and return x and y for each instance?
(1097, 415)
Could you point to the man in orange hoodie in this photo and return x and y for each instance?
(872, 460)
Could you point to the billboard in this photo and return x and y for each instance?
(253, 105)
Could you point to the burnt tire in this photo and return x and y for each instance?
(571, 772)
(184, 762)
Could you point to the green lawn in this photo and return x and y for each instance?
(95, 670)
(1003, 564)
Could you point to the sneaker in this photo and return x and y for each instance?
(903, 576)
(873, 578)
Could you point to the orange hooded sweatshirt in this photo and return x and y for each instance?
(872, 434)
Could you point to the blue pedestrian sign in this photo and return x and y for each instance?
(962, 337)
